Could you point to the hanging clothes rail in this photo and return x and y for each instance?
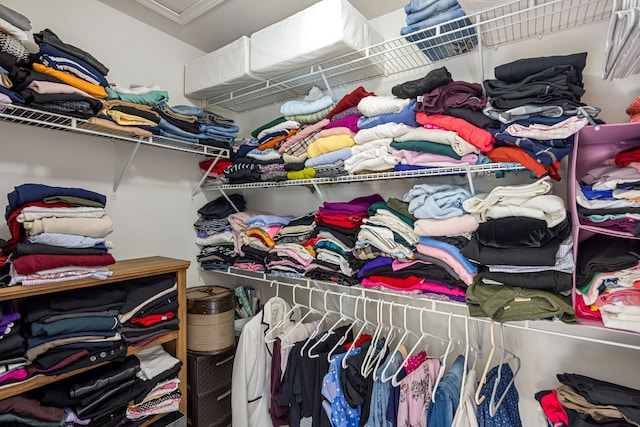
(442, 309)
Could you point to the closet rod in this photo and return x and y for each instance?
(362, 292)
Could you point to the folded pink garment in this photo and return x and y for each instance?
(350, 122)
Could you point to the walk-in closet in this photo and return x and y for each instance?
(424, 212)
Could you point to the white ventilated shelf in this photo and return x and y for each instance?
(588, 332)
(450, 170)
(509, 23)
(46, 120)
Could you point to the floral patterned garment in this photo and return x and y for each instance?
(415, 393)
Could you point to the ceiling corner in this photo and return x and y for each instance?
(181, 11)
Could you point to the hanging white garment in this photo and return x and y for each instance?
(252, 366)
(467, 413)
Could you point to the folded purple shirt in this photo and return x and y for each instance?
(357, 205)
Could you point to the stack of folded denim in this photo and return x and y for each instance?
(193, 124)
(423, 14)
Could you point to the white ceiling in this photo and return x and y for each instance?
(211, 24)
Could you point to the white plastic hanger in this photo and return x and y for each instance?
(507, 357)
(346, 333)
(483, 378)
(375, 337)
(407, 331)
(330, 331)
(443, 362)
(370, 365)
(275, 282)
(467, 346)
(316, 331)
(310, 310)
(389, 338)
(623, 40)
(395, 381)
(367, 323)
(271, 334)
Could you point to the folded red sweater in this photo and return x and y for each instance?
(474, 135)
(29, 264)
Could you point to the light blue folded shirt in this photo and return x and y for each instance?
(266, 220)
(451, 250)
(328, 158)
(439, 201)
(296, 107)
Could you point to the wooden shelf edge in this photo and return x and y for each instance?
(122, 270)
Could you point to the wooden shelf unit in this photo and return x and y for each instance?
(174, 342)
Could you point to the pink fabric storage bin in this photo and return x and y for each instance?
(591, 148)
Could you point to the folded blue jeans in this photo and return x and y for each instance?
(452, 44)
(176, 132)
(419, 10)
(185, 109)
(453, 12)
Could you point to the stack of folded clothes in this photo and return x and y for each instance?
(260, 232)
(335, 236)
(537, 101)
(59, 78)
(150, 309)
(587, 401)
(126, 390)
(12, 345)
(69, 330)
(423, 14)
(253, 249)
(57, 234)
(311, 109)
(144, 114)
(298, 230)
(606, 195)
(524, 244)
(607, 273)
(213, 232)
(291, 255)
(432, 266)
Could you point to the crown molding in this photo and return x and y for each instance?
(192, 12)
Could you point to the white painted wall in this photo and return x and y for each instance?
(153, 211)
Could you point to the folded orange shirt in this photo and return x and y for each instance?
(90, 88)
(518, 155)
(273, 142)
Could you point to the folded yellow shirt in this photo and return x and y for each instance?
(305, 173)
(90, 88)
(260, 234)
(125, 119)
(328, 144)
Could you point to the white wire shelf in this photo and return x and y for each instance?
(587, 331)
(515, 21)
(42, 119)
(450, 170)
